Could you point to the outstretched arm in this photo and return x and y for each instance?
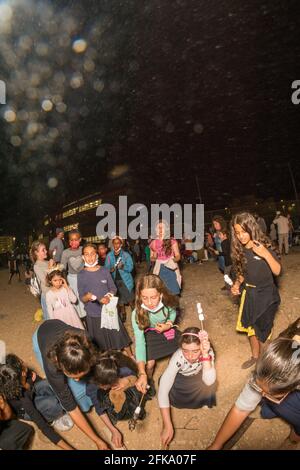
(231, 424)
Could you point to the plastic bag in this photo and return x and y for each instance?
(35, 286)
(109, 315)
(38, 316)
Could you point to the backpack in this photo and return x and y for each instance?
(133, 398)
(35, 286)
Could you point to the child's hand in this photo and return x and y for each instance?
(161, 327)
(122, 384)
(88, 296)
(105, 300)
(141, 383)
(121, 265)
(205, 346)
(235, 290)
(259, 249)
(166, 435)
(117, 438)
(64, 283)
(51, 263)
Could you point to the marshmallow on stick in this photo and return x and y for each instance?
(228, 280)
(200, 314)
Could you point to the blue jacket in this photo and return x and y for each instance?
(125, 273)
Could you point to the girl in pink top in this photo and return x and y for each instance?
(165, 252)
(60, 299)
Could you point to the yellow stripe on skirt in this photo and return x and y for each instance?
(239, 327)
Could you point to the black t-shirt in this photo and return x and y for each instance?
(225, 245)
(48, 333)
(257, 270)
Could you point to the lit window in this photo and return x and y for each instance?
(90, 205)
(69, 212)
(94, 239)
(67, 228)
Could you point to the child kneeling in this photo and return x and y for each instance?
(189, 380)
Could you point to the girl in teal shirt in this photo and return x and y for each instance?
(153, 326)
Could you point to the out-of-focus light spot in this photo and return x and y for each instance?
(52, 182)
(25, 43)
(35, 79)
(118, 171)
(56, 99)
(76, 80)
(198, 128)
(53, 133)
(89, 65)
(42, 49)
(79, 46)
(47, 105)
(32, 128)
(98, 85)
(59, 77)
(16, 141)
(10, 115)
(61, 107)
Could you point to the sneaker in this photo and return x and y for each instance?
(64, 423)
(249, 363)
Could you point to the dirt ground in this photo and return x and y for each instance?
(195, 429)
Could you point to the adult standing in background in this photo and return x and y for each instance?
(56, 246)
(282, 223)
(261, 222)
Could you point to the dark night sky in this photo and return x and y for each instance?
(172, 89)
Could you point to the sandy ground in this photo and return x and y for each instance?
(195, 429)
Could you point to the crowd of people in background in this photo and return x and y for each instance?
(85, 349)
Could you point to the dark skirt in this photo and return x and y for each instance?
(107, 339)
(158, 346)
(191, 392)
(124, 295)
(257, 311)
(168, 276)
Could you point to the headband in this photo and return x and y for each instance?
(57, 267)
(198, 335)
(117, 237)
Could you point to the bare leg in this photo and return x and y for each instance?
(150, 368)
(122, 313)
(128, 352)
(255, 350)
(255, 346)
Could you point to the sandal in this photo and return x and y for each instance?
(249, 363)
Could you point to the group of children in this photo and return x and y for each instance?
(83, 369)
